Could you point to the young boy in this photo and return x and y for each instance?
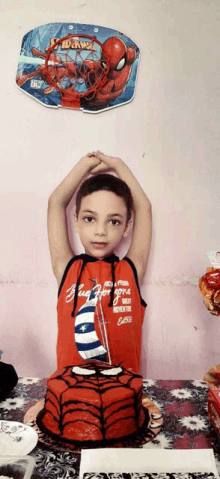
(100, 309)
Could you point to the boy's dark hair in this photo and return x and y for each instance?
(105, 182)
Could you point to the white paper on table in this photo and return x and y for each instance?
(147, 461)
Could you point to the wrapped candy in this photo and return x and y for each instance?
(209, 284)
(212, 377)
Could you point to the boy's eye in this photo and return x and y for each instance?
(89, 219)
(114, 222)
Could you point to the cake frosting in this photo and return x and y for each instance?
(96, 403)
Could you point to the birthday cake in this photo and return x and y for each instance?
(93, 403)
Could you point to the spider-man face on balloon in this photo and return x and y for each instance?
(66, 76)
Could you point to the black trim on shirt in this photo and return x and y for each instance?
(88, 259)
(136, 279)
(69, 264)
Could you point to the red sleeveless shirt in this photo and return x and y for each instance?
(100, 308)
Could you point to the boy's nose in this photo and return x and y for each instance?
(101, 230)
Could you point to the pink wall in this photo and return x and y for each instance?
(169, 137)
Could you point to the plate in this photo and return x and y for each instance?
(148, 433)
(16, 438)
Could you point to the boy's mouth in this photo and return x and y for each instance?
(99, 245)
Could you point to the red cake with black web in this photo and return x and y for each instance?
(93, 404)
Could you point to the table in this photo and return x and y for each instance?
(183, 404)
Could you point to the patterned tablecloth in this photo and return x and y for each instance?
(182, 403)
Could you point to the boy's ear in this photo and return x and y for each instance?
(127, 228)
(76, 223)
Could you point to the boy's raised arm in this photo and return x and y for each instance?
(142, 228)
(60, 249)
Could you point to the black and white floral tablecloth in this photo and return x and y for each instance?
(183, 405)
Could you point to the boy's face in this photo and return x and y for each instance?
(102, 222)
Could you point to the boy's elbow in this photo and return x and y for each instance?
(146, 207)
(145, 202)
(51, 199)
(51, 206)
(148, 204)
